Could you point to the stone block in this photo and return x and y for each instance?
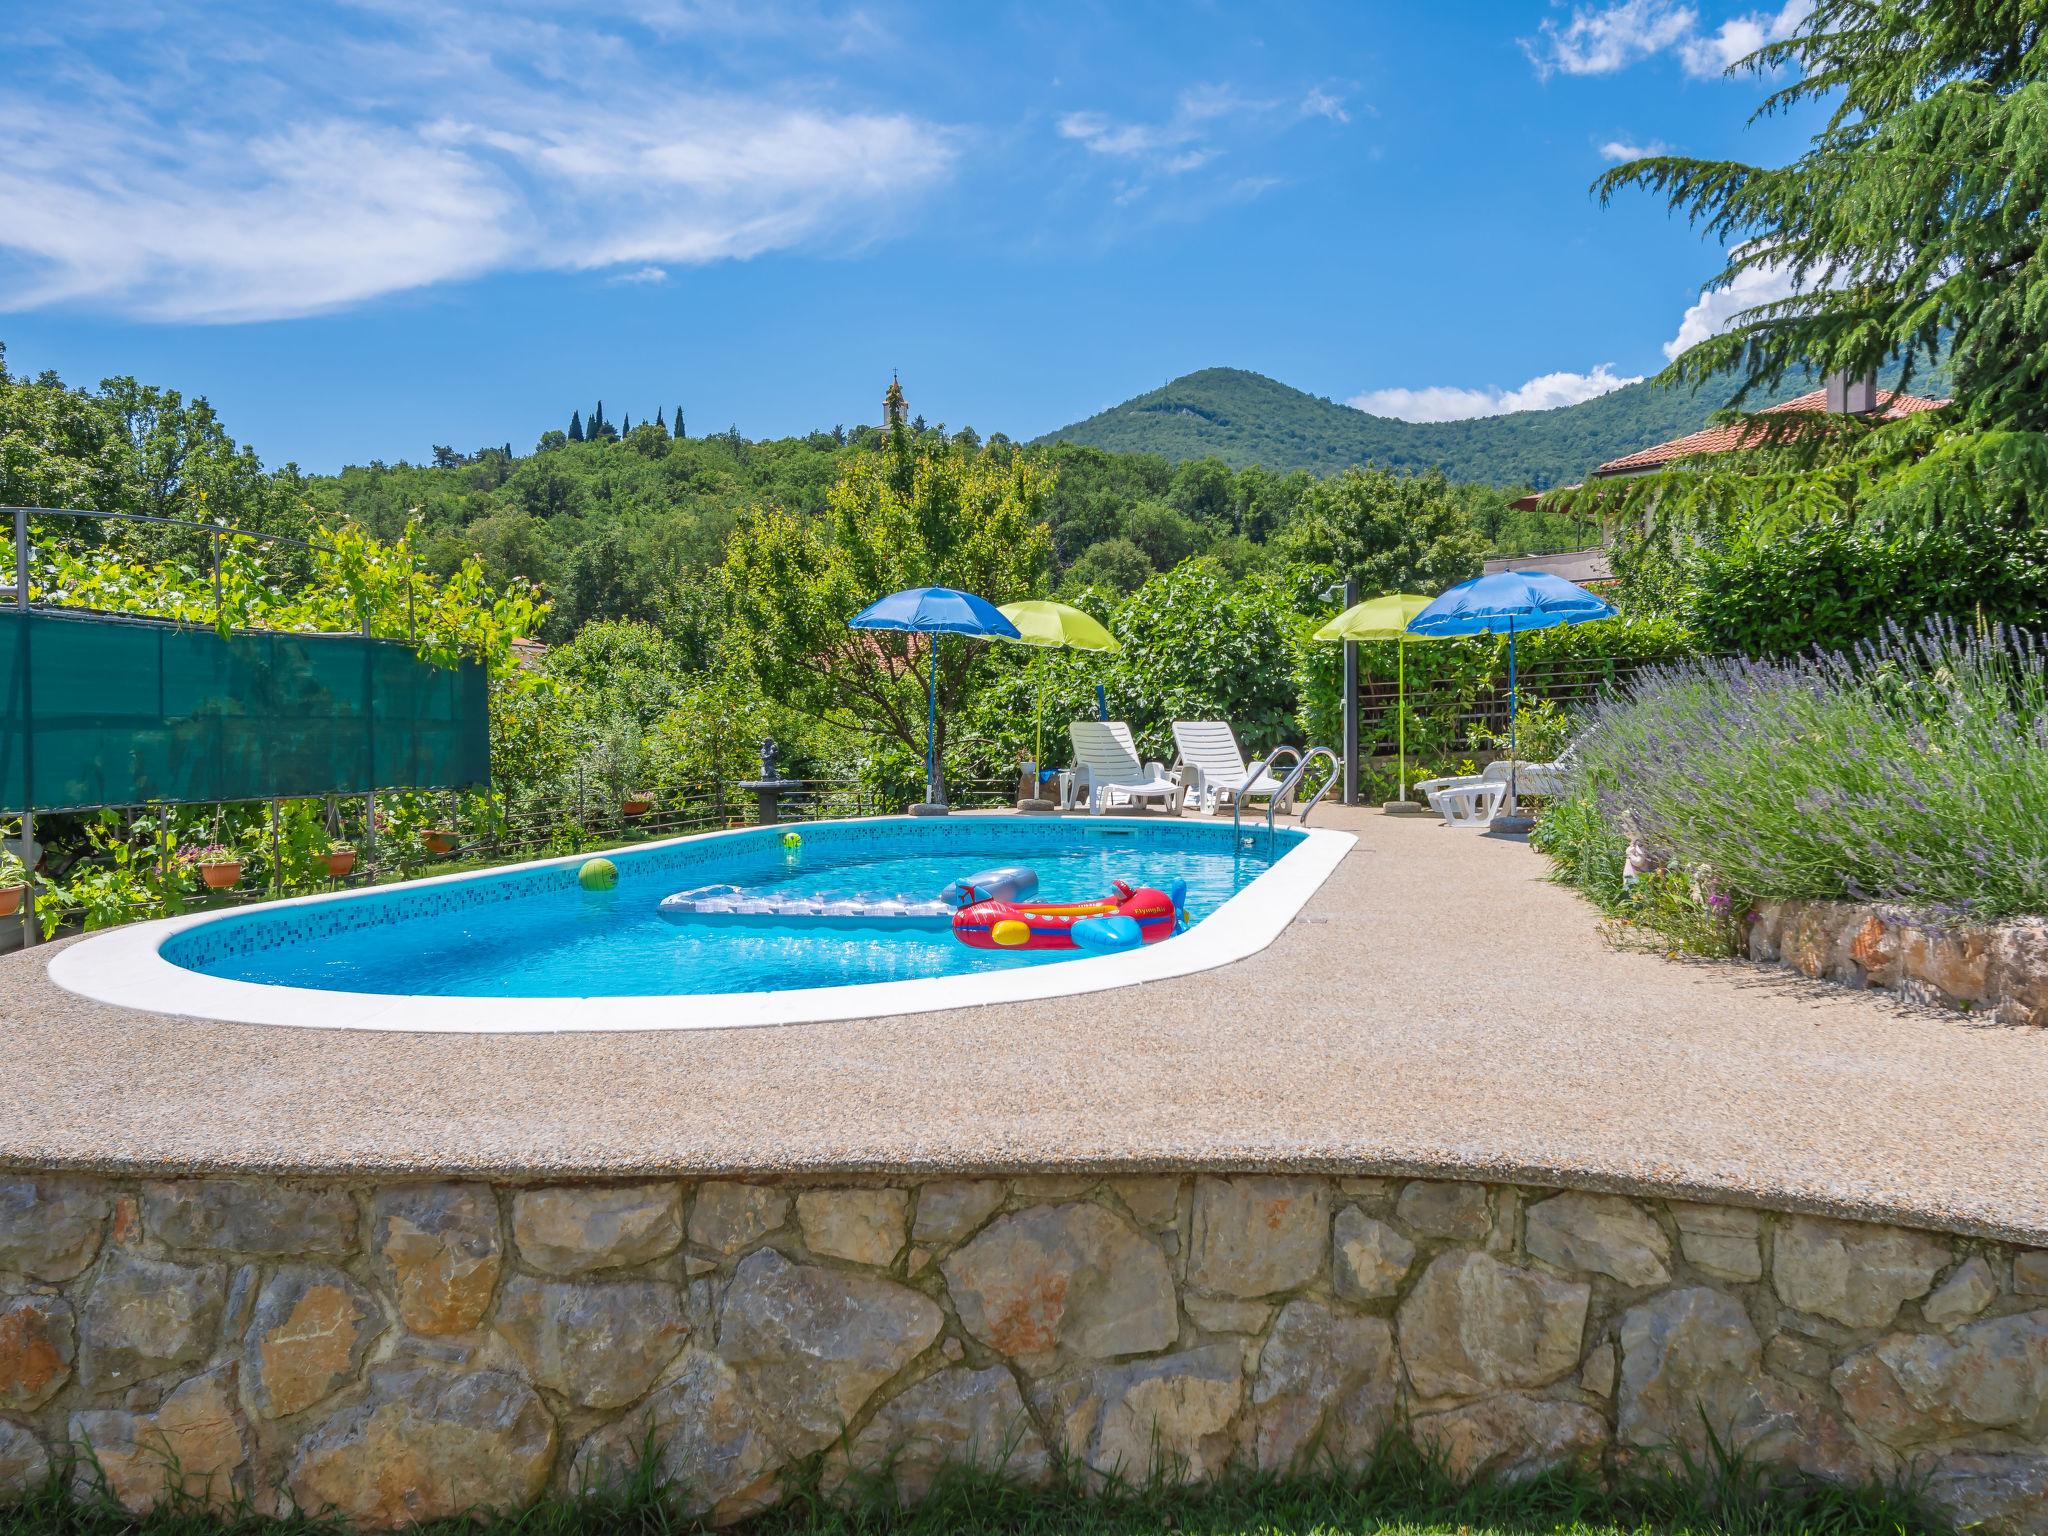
(959, 1419)
(1473, 1325)
(50, 1224)
(439, 1248)
(192, 1446)
(2017, 977)
(1327, 1385)
(861, 1226)
(307, 1337)
(1854, 1273)
(1790, 1355)
(1602, 1233)
(598, 1343)
(1172, 1415)
(1051, 1284)
(258, 1216)
(708, 1444)
(1993, 1492)
(24, 1464)
(2030, 1272)
(811, 1345)
(578, 1229)
(1513, 1437)
(1951, 966)
(1965, 1293)
(953, 1209)
(727, 1218)
(1153, 1200)
(1874, 949)
(1226, 1314)
(38, 1342)
(1369, 1259)
(1435, 1208)
(145, 1317)
(1911, 1389)
(1257, 1235)
(427, 1444)
(1597, 1374)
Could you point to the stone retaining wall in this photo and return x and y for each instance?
(403, 1351)
(2000, 971)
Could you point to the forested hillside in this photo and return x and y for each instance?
(1246, 418)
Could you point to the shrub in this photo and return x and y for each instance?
(1913, 769)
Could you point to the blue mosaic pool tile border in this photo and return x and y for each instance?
(246, 933)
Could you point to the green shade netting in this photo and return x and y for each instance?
(112, 712)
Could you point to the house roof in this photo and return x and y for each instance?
(1577, 565)
(1732, 435)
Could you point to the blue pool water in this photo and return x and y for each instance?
(536, 933)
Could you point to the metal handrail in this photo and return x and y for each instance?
(1293, 781)
(1237, 801)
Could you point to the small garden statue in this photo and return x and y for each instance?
(769, 752)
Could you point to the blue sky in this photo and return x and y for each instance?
(365, 228)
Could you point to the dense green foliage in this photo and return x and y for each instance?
(1246, 418)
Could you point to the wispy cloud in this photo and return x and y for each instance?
(1207, 122)
(1450, 402)
(347, 155)
(1599, 40)
(1627, 149)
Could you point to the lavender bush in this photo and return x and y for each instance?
(1913, 769)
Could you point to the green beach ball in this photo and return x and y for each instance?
(598, 875)
(792, 840)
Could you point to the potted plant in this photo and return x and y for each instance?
(638, 802)
(13, 883)
(219, 867)
(340, 858)
(441, 840)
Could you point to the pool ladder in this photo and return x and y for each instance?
(1287, 789)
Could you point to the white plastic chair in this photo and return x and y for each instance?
(1107, 770)
(1464, 801)
(1213, 768)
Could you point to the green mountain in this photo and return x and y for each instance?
(1246, 418)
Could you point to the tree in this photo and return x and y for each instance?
(447, 458)
(1115, 564)
(895, 519)
(575, 426)
(1165, 535)
(1206, 490)
(679, 432)
(1912, 222)
(1394, 533)
(626, 426)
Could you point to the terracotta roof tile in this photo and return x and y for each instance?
(1738, 434)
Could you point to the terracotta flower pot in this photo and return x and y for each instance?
(441, 841)
(638, 807)
(339, 864)
(10, 899)
(219, 877)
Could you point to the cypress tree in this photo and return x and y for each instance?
(626, 430)
(575, 426)
(679, 423)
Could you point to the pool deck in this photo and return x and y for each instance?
(1437, 1008)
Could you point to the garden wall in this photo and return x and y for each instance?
(1999, 970)
(409, 1350)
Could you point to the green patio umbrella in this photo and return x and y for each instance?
(1384, 618)
(1053, 626)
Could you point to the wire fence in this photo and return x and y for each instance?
(1483, 706)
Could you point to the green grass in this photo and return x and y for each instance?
(1404, 1494)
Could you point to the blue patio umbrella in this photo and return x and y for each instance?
(1508, 603)
(934, 611)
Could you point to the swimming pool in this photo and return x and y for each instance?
(529, 948)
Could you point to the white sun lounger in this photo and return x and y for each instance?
(1475, 800)
(1213, 768)
(1107, 770)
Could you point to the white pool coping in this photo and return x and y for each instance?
(125, 967)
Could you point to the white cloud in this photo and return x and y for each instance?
(1194, 133)
(1448, 402)
(1717, 309)
(1321, 103)
(326, 164)
(1739, 37)
(1601, 40)
(1625, 149)
(641, 275)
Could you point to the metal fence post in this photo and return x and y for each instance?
(1351, 701)
(29, 934)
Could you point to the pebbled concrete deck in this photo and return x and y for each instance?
(1437, 1008)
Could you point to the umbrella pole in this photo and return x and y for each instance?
(931, 731)
(1401, 711)
(1513, 710)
